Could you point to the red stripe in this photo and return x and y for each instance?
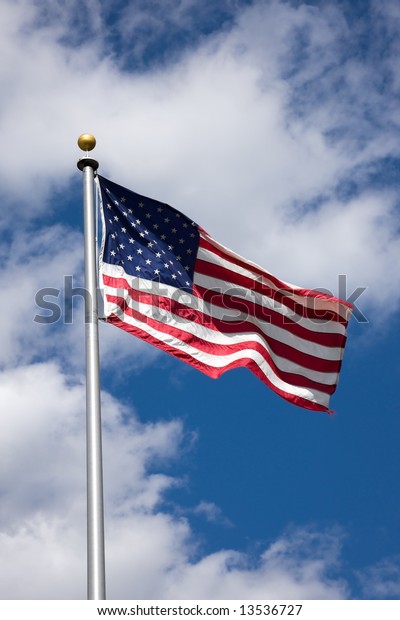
(221, 349)
(222, 273)
(210, 244)
(212, 372)
(265, 314)
(229, 327)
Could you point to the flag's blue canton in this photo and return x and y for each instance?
(149, 239)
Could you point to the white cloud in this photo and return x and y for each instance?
(40, 435)
(150, 554)
(284, 571)
(343, 238)
(212, 513)
(42, 450)
(33, 261)
(382, 581)
(222, 134)
(44, 559)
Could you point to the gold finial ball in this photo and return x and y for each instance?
(86, 142)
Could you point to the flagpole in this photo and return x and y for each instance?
(96, 589)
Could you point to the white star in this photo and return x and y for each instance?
(156, 271)
(123, 199)
(123, 230)
(173, 276)
(189, 251)
(155, 226)
(159, 209)
(166, 265)
(141, 205)
(142, 234)
(108, 206)
(121, 245)
(130, 257)
(185, 225)
(131, 240)
(116, 218)
(158, 255)
(139, 251)
(148, 261)
(138, 268)
(174, 230)
(181, 240)
(150, 245)
(148, 215)
(166, 220)
(138, 222)
(112, 253)
(179, 258)
(163, 237)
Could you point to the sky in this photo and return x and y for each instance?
(274, 124)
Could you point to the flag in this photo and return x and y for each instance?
(168, 282)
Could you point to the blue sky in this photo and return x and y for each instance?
(275, 126)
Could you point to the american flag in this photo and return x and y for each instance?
(166, 281)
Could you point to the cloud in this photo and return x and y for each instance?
(150, 553)
(32, 262)
(272, 125)
(382, 581)
(272, 133)
(285, 570)
(212, 513)
(42, 480)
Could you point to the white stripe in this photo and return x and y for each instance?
(240, 292)
(316, 303)
(219, 361)
(193, 302)
(213, 336)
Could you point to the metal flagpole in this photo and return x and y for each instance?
(96, 589)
